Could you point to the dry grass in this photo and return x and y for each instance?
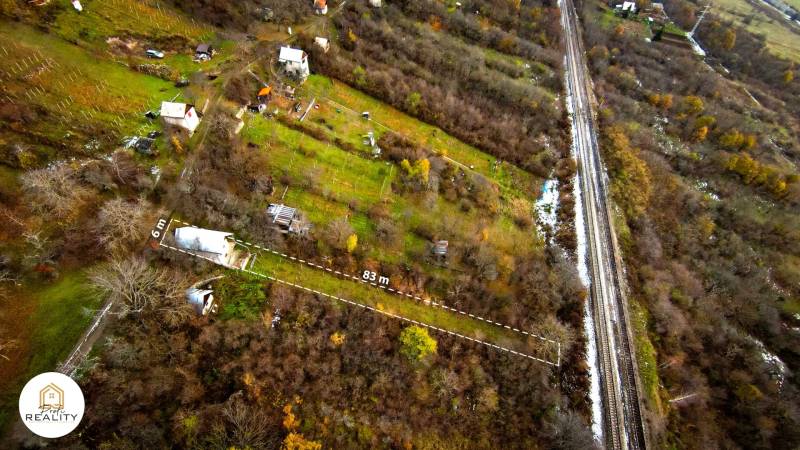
(780, 39)
(72, 85)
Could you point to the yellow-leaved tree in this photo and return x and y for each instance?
(352, 243)
(630, 177)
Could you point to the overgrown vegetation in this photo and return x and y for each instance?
(708, 192)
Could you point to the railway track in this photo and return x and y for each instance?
(620, 387)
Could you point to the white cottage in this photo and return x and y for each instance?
(180, 115)
(217, 246)
(294, 62)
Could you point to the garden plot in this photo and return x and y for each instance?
(328, 283)
(124, 29)
(328, 182)
(349, 126)
(73, 87)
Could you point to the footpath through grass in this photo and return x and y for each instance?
(62, 313)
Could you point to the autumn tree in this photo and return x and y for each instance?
(692, 104)
(416, 343)
(352, 243)
(416, 175)
(296, 441)
(630, 177)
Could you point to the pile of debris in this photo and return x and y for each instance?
(157, 70)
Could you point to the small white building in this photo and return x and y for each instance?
(294, 62)
(375, 3)
(217, 246)
(323, 43)
(629, 6)
(180, 115)
(201, 300)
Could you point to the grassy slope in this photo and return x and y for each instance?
(108, 90)
(645, 355)
(780, 39)
(508, 177)
(58, 320)
(345, 178)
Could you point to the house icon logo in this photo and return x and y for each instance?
(51, 397)
(51, 405)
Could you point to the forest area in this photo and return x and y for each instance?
(708, 201)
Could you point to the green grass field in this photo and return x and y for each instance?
(74, 85)
(59, 319)
(340, 179)
(140, 25)
(509, 177)
(780, 39)
(100, 20)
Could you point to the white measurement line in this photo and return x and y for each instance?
(400, 293)
(165, 232)
(360, 305)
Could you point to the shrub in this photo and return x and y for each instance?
(416, 343)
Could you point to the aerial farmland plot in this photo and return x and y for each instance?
(417, 224)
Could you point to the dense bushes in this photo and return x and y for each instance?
(703, 241)
(239, 15)
(390, 56)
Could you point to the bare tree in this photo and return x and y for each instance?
(122, 223)
(5, 346)
(54, 192)
(569, 432)
(243, 426)
(337, 233)
(6, 279)
(141, 290)
(40, 250)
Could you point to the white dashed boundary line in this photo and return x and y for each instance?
(386, 288)
(370, 308)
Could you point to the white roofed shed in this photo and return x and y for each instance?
(181, 115)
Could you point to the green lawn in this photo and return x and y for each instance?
(60, 318)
